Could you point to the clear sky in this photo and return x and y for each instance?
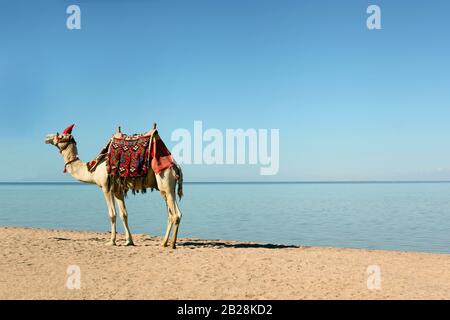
(350, 103)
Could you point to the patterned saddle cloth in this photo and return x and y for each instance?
(132, 155)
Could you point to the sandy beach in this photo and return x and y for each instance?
(34, 264)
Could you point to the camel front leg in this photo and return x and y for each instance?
(124, 217)
(112, 216)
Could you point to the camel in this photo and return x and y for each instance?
(165, 182)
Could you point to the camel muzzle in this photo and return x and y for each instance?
(49, 139)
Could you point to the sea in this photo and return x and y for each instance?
(404, 216)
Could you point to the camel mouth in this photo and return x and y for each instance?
(49, 139)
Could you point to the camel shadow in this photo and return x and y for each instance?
(192, 244)
(222, 244)
(70, 239)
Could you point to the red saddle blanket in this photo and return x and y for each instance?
(132, 155)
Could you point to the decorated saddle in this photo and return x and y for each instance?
(131, 156)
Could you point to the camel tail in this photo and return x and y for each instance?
(179, 174)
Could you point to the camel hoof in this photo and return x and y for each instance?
(164, 244)
(129, 243)
(173, 246)
(110, 243)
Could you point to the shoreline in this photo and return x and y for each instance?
(35, 262)
(239, 243)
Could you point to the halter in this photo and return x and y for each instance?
(67, 163)
(69, 141)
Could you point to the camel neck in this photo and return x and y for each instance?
(77, 169)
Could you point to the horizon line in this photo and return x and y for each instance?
(247, 182)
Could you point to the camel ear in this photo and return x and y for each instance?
(68, 130)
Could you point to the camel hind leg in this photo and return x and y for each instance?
(177, 225)
(167, 184)
(175, 216)
(169, 226)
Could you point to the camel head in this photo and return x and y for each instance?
(61, 141)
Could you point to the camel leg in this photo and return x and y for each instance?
(169, 227)
(175, 217)
(169, 223)
(124, 217)
(112, 216)
(167, 184)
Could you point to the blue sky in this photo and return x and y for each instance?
(350, 103)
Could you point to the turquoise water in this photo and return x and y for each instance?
(394, 216)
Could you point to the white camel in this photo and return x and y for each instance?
(165, 182)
